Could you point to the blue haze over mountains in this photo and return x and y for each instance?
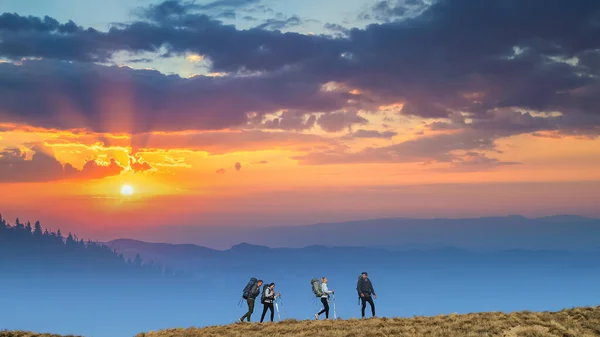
(564, 232)
(418, 267)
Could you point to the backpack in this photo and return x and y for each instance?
(358, 287)
(316, 287)
(248, 287)
(262, 297)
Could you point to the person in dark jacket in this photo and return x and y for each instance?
(365, 291)
(254, 292)
(269, 297)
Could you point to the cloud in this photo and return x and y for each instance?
(80, 95)
(470, 57)
(14, 22)
(166, 9)
(238, 166)
(442, 148)
(221, 171)
(228, 4)
(336, 28)
(389, 10)
(172, 10)
(278, 24)
(93, 170)
(287, 120)
(372, 134)
(261, 162)
(139, 165)
(43, 166)
(221, 142)
(338, 121)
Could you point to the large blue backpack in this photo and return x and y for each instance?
(248, 287)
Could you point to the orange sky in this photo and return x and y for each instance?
(183, 184)
(260, 120)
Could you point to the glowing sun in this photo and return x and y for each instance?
(127, 190)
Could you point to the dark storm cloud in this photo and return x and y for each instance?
(468, 55)
(64, 95)
(14, 22)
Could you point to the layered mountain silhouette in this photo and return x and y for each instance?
(561, 232)
(49, 277)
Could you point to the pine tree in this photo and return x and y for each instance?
(28, 227)
(37, 229)
(70, 239)
(138, 260)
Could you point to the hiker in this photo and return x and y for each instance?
(365, 290)
(268, 296)
(324, 298)
(250, 293)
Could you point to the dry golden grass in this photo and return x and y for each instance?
(5, 333)
(577, 322)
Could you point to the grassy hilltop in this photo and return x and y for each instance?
(577, 322)
(4, 333)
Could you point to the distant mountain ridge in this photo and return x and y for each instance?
(562, 232)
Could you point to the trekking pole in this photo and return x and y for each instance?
(334, 312)
(277, 309)
(282, 306)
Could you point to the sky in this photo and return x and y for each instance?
(264, 112)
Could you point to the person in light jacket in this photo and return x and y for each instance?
(324, 298)
(269, 297)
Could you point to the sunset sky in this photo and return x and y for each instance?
(282, 112)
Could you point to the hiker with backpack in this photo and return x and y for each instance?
(365, 290)
(267, 299)
(321, 290)
(250, 293)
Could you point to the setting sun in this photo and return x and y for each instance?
(127, 190)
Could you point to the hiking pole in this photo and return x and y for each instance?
(334, 312)
(282, 306)
(277, 309)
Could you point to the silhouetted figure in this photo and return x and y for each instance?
(365, 290)
(267, 300)
(324, 298)
(254, 291)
